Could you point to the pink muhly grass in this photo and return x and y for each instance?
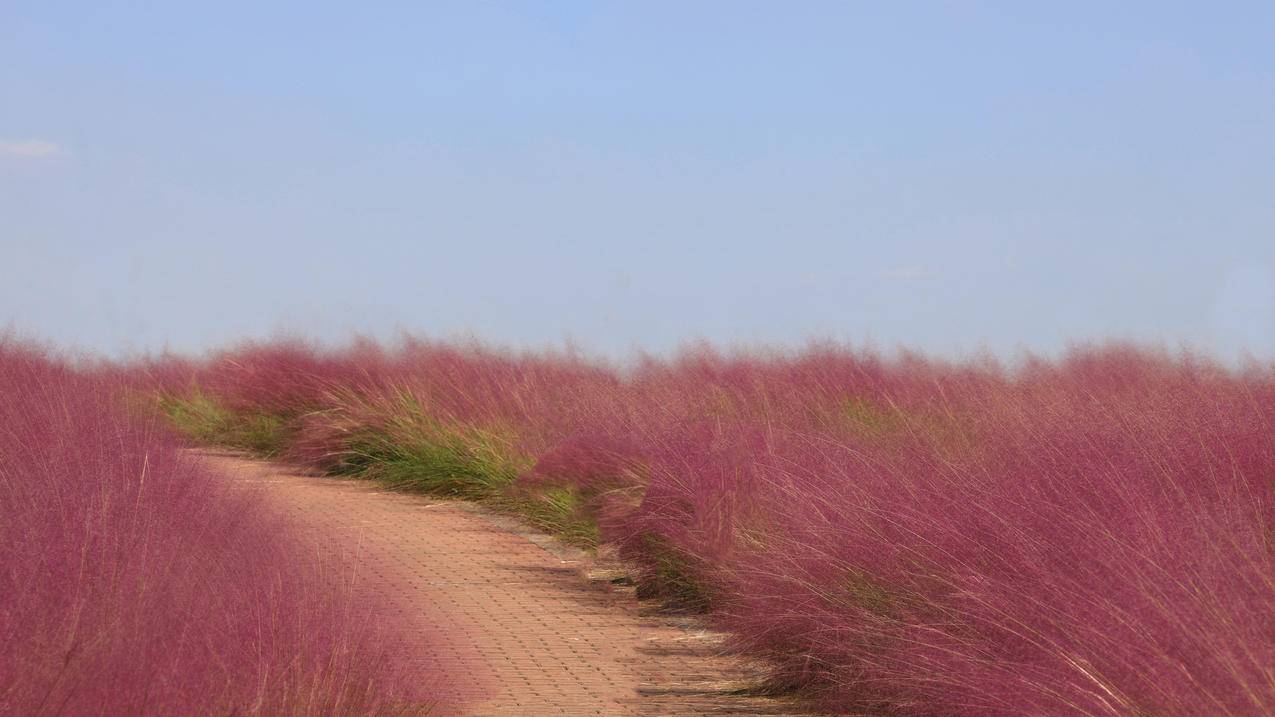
(1091, 536)
(133, 581)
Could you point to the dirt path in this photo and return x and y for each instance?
(526, 632)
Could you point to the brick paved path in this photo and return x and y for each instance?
(523, 629)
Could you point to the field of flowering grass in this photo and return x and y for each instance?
(1086, 536)
(134, 582)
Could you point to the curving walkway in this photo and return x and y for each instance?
(524, 629)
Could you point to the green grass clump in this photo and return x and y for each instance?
(418, 455)
(455, 463)
(407, 449)
(206, 421)
(558, 510)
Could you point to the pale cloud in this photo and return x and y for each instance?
(31, 148)
(912, 271)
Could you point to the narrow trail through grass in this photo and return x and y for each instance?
(891, 535)
(527, 632)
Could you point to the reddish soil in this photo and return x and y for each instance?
(518, 623)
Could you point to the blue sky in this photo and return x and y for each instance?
(946, 176)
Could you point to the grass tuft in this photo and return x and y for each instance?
(457, 464)
(206, 421)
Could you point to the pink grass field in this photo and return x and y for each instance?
(1086, 536)
(132, 581)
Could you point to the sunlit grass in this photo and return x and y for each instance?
(1086, 536)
